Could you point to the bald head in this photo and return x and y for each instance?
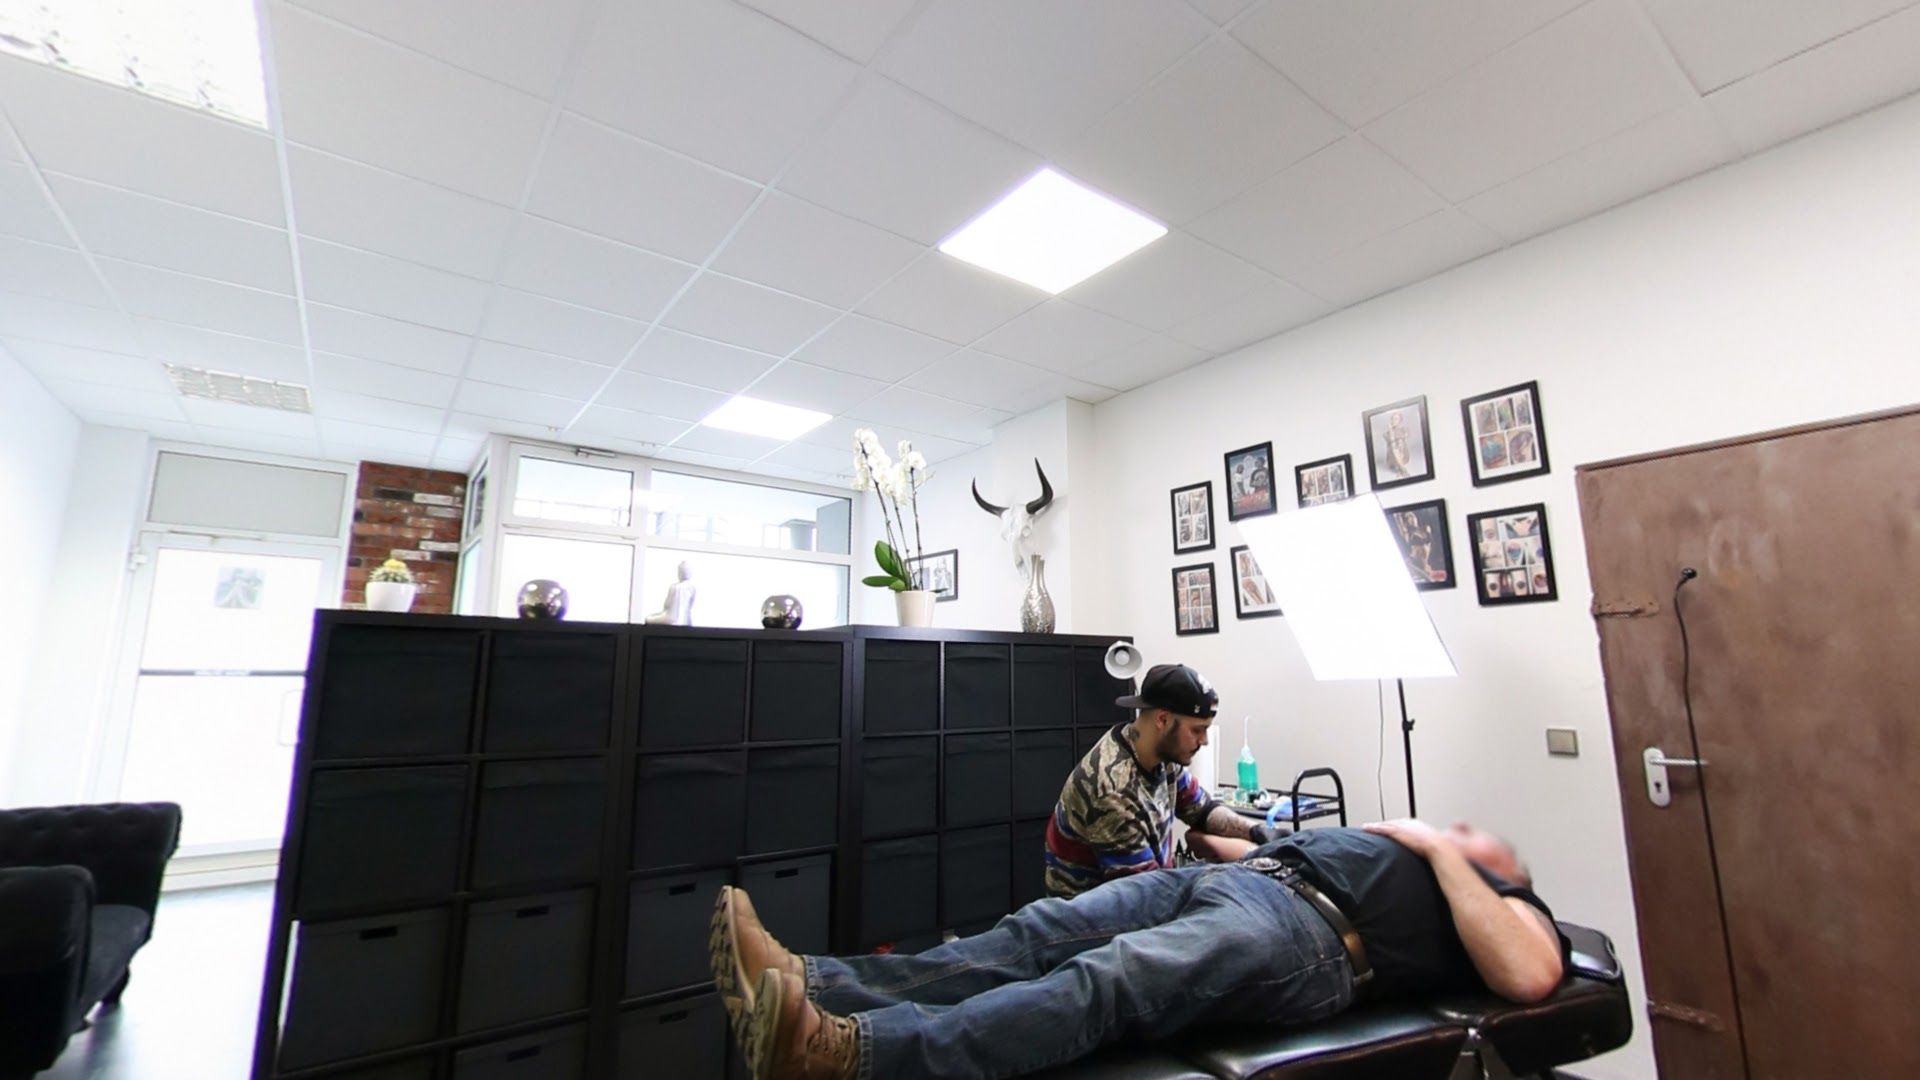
(1489, 852)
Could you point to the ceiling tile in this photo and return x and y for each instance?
(709, 78)
(1362, 58)
(934, 415)
(837, 434)
(375, 210)
(213, 305)
(251, 418)
(522, 43)
(990, 381)
(375, 379)
(800, 248)
(91, 397)
(1151, 151)
(875, 349)
(264, 442)
(55, 272)
(373, 337)
(626, 424)
(1060, 336)
(513, 403)
(353, 94)
(1848, 75)
(1040, 73)
(345, 405)
(597, 179)
(1595, 72)
(1220, 11)
(82, 127)
(896, 160)
(457, 455)
(731, 443)
(350, 278)
(1142, 362)
(142, 229)
(854, 29)
(24, 210)
(696, 457)
(1333, 200)
(671, 354)
(550, 326)
(828, 391)
(177, 430)
(50, 361)
(581, 268)
(809, 458)
(40, 319)
(376, 443)
(1254, 316)
(197, 347)
(1169, 281)
(637, 392)
(953, 301)
(474, 428)
(937, 449)
(510, 365)
(1721, 41)
(739, 313)
(1666, 149)
(1406, 255)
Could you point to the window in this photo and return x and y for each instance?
(597, 574)
(550, 490)
(729, 589)
(686, 507)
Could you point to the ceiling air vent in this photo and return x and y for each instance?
(239, 389)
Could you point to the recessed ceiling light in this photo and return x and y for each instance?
(1052, 233)
(200, 53)
(239, 389)
(766, 418)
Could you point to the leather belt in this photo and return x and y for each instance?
(1349, 937)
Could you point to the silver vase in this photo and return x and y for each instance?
(1036, 607)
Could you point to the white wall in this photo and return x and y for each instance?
(1777, 291)
(38, 437)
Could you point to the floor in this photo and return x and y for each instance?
(189, 1012)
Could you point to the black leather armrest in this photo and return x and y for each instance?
(1587, 1015)
(125, 846)
(1401, 1041)
(44, 921)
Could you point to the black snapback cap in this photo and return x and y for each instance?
(1176, 688)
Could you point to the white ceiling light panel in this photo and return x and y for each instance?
(1052, 233)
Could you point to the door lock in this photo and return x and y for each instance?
(1659, 792)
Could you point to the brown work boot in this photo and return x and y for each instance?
(787, 1037)
(756, 947)
(723, 959)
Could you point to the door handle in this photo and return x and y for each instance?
(1659, 792)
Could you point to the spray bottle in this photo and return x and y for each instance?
(1249, 770)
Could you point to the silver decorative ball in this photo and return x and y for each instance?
(543, 599)
(781, 612)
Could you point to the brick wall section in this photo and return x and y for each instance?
(414, 515)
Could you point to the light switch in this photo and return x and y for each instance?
(1563, 742)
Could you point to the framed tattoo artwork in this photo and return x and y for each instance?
(1324, 481)
(1399, 444)
(1421, 531)
(1252, 597)
(1250, 482)
(1506, 435)
(1513, 558)
(1193, 518)
(939, 573)
(1195, 610)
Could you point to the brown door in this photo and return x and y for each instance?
(1778, 892)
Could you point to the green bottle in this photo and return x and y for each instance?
(1249, 769)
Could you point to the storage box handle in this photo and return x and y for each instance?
(522, 1055)
(791, 871)
(533, 912)
(378, 932)
(680, 890)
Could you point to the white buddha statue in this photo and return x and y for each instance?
(678, 609)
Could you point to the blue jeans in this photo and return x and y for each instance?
(1138, 958)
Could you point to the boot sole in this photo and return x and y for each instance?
(723, 960)
(761, 1031)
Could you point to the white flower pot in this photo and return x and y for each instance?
(390, 595)
(915, 607)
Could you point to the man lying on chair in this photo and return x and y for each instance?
(1295, 933)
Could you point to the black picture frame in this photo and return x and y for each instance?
(1256, 468)
(1420, 531)
(1194, 611)
(1376, 428)
(1315, 472)
(936, 561)
(1199, 495)
(1506, 434)
(1245, 571)
(1496, 559)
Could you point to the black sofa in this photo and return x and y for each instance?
(78, 888)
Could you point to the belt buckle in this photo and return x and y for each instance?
(1267, 865)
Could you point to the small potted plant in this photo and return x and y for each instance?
(897, 485)
(390, 587)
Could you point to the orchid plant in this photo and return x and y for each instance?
(897, 485)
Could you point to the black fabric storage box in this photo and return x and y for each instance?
(793, 898)
(667, 931)
(899, 889)
(902, 686)
(539, 821)
(1029, 862)
(394, 692)
(793, 798)
(381, 837)
(548, 692)
(1041, 762)
(796, 690)
(1095, 690)
(685, 1038)
(693, 692)
(548, 1055)
(526, 957)
(1042, 686)
(689, 809)
(360, 986)
(979, 779)
(900, 779)
(974, 875)
(979, 685)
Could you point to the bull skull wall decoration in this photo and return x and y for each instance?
(1016, 522)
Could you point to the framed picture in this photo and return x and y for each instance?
(1250, 482)
(1421, 531)
(1195, 610)
(1399, 444)
(1324, 481)
(1512, 555)
(1252, 598)
(1193, 518)
(939, 573)
(1506, 435)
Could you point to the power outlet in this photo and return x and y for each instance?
(1563, 742)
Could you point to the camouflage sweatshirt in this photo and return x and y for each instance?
(1115, 818)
